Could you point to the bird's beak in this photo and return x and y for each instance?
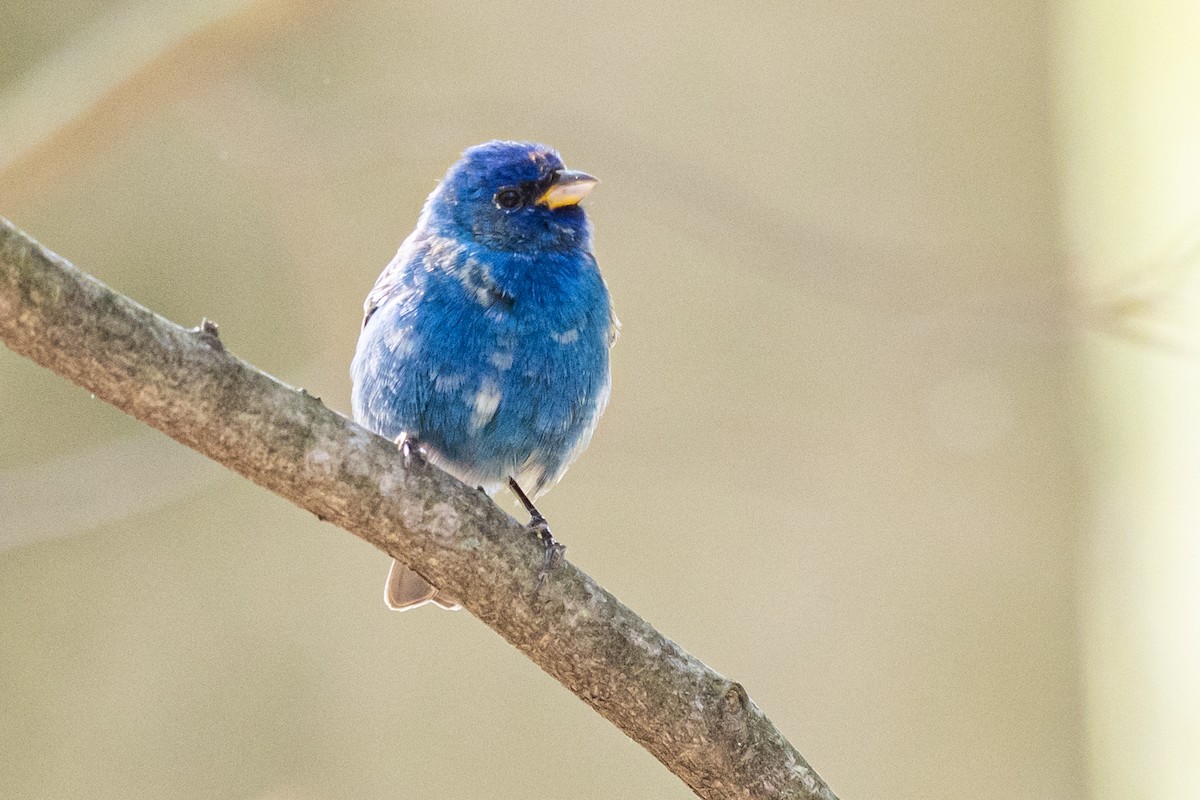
(568, 189)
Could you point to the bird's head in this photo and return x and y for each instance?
(513, 196)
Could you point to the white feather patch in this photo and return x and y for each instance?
(485, 403)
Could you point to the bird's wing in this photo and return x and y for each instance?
(392, 277)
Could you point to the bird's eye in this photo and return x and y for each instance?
(508, 199)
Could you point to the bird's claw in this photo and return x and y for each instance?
(410, 451)
(553, 551)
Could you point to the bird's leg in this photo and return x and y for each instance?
(537, 523)
(552, 550)
(411, 451)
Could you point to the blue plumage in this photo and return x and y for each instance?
(486, 338)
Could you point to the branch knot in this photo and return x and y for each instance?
(209, 333)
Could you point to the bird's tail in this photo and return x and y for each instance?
(406, 589)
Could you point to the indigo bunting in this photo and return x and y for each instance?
(485, 342)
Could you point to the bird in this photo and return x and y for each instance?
(484, 346)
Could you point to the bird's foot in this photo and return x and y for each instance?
(411, 452)
(553, 551)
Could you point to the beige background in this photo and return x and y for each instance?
(843, 461)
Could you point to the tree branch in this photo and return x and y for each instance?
(702, 726)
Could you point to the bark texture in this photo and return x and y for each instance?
(699, 724)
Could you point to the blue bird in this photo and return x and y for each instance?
(484, 344)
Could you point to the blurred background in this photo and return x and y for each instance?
(909, 304)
